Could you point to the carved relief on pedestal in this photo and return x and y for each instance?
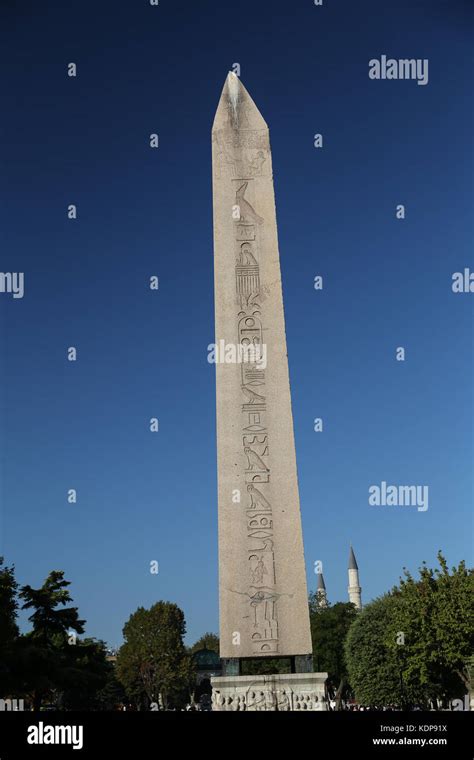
(281, 693)
(283, 701)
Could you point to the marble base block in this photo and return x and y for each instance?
(283, 692)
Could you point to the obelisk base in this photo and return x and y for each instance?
(278, 693)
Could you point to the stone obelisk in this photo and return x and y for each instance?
(262, 580)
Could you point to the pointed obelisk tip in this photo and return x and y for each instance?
(233, 88)
(236, 108)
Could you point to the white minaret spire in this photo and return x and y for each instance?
(354, 588)
(321, 591)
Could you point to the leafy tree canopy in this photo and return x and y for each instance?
(152, 664)
(329, 627)
(413, 644)
(49, 621)
(207, 641)
(8, 604)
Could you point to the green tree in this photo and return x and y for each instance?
(49, 621)
(372, 662)
(329, 627)
(112, 693)
(413, 644)
(207, 641)
(83, 672)
(152, 664)
(8, 626)
(435, 614)
(43, 653)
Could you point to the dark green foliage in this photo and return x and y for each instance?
(329, 627)
(265, 666)
(373, 667)
(46, 659)
(153, 664)
(207, 641)
(436, 615)
(49, 621)
(412, 645)
(8, 626)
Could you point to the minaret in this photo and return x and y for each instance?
(321, 591)
(354, 588)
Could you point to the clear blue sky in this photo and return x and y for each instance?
(141, 354)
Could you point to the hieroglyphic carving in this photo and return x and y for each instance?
(242, 153)
(247, 277)
(245, 231)
(257, 499)
(247, 212)
(259, 570)
(261, 593)
(252, 396)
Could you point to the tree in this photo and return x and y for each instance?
(412, 646)
(329, 627)
(152, 664)
(372, 664)
(436, 617)
(83, 673)
(113, 694)
(50, 660)
(207, 641)
(8, 604)
(43, 652)
(48, 621)
(8, 626)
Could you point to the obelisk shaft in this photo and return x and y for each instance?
(262, 580)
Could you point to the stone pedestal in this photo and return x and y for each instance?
(283, 692)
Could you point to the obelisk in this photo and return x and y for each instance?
(262, 581)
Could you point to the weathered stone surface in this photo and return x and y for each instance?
(279, 693)
(262, 580)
